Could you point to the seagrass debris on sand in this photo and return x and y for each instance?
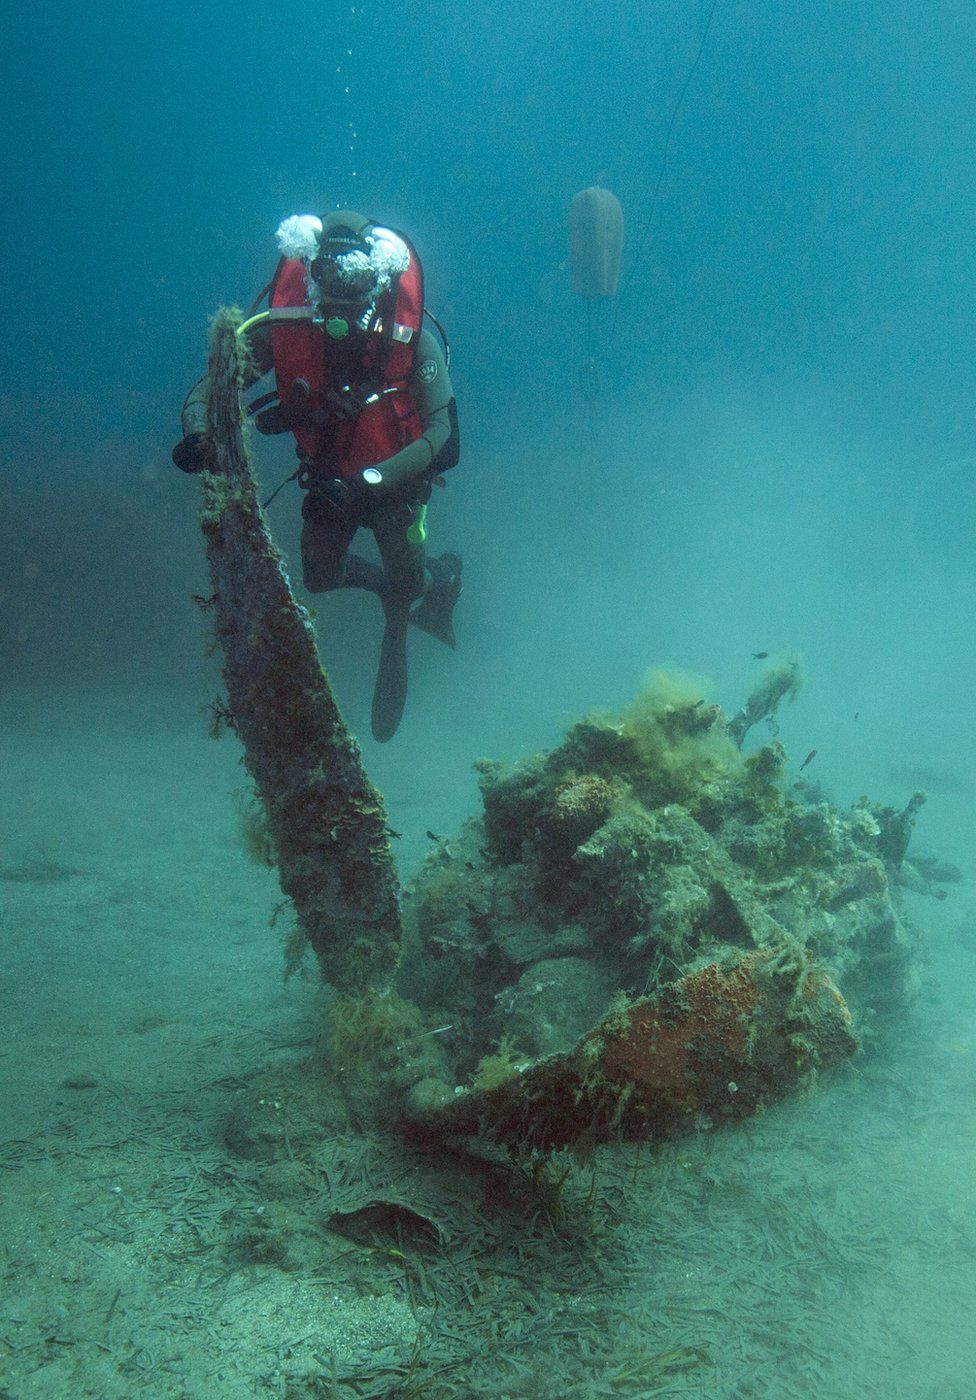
(327, 821)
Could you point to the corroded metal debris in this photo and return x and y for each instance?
(713, 1047)
(328, 823)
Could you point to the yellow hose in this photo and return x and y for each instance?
(252, 321)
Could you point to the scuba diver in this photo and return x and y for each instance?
(365, 389)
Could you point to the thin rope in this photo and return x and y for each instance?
(661, 171)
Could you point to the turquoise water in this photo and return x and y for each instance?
(780, 457)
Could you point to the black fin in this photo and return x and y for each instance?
(434, 612)
(390, 691)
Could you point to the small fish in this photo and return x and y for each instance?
(809, 759)
(432, 836)
(759, 655)
(857, 714)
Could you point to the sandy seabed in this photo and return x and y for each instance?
(827, 1249)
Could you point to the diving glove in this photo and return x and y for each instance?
(192, 453)
(341, 497)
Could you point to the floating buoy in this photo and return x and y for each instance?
(596, 237)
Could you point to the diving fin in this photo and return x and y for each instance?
(390, 691)
(433, 612)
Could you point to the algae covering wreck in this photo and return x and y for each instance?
(325, 822)
(644, 932)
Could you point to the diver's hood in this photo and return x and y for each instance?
(349, 259)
